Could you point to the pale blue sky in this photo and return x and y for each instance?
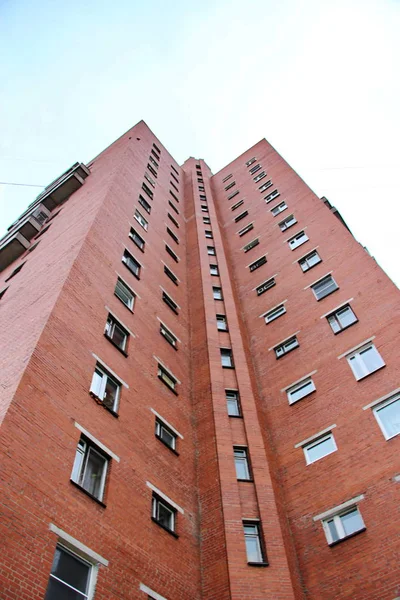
(319, 79)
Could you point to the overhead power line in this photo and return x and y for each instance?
(23, 184)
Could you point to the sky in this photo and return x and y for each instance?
(319, 79)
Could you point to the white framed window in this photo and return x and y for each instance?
(255, 169)
(135, 237)
(167, 378)
(227, 177)
(71, 577)
(141, 220)
(171, 275)
(171, 253)
(279, 208)
(230, 185)
(241, 216)
(297, 240)
(222, 324)
(131, 263)
(257, 263)
(251, 245)
(144, 202)
(163, 513)
(217, 293)
(124, 293)
(300, 390)
(165, 434)
(250, 162)
(260, 176)
(309, 261)
(90, 468)
(169, 302)
(246, 229)
(276, 312)
(233, 195)
(204, 208)
(235, 206)
(288, 222)
(214, 270)
(211, 250)
(116, 333)
(286, 346)
(343, 525)
(325, 286)
(319, 448)
(169, 336)
(267, 285)
(106, 388)
(365, 361)
(233, 403)
(150, 180)
(272, 195)
(252, 538)
(388, 416)
(208, 234)
(226, 358)
(172, 234)
(342, 318)
(206, 220)
(241, 464)
(265, 186)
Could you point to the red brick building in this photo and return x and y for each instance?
(200, 388)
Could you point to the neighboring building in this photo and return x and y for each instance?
(200, 388)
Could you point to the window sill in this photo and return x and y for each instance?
(344, 328)
(100, 402)
(116, 345)
(166, 445)
(166, 385)
(175, 535)
(347, 537)
(372, 372)
(258, 564)
(88, 493)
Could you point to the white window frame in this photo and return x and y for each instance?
(305, 383)
(167, 377)
(381, 406)
(356, 356)
(284, 344)
(211, 251)
(336, 518)
(232, 398)
(125, 258)
(132, 235)
(98, 386)
(156, 500)
(214, 270)
(241, 457)
(222, 319)
(316, 442)
(224, 354)
(92, 574)
(83, 450)
(159, 426)
(274, 313)
(327, 280)
(219, 291)
(334, 318)
(111, 324)
(304, 260)
(298, 240)
(260, 176)
(281, 206)
(257, 535)
(168, 335)
(270, 197)
(208, 234)
(287, 223)
(141, 220)
(128, 291)
(250, 162)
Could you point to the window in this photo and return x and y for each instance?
(246, 229)
(208, 234)
(152, 171)
(15, 272)
(228, 187)
(174, 178)
(263, 287)
(235, 206)
(149, 179)
(258, 263)
(288, 222)
(324, 287)
(105, 388)
(260, 176)
(174, 221)
(201, 188)
(71, 577)
(90, 469)
(151, 159)
(2, 292)
(252, 538)
(171, 275)
(233, 404)
(167, 378)
(124, 293)
(145, 204)
(255, 169)
(163, 513)
(365, 361)
(265, 186)
(300, 390)
(173, 195)
(148, 191)
(279, 208)
(131, 263)
(204, 208)
(141, 220)
(241, 216)
(241, 464)
(173, 207)
(203, 197)
(342, 318)
(168, 300)
(251, 245)
(171, 253)
(116, 333)
(274, 313)
(214, 270)
(286, 347)
(174, 186)
(388, 416)
(206, 220)
(309, 261)
(225, 179)
(211, 250)
(297, 240)
(235, 193)
(222, 324)
(172, 234)
(270, 196)
(171, 339)
(173, 168)
(157, 148)
(319, 448)
(250, 162)
(226, 358)
(343, 525)
(217, 293)
(165, 434)
(135, 237)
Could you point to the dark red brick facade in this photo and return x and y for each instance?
(54, 313)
